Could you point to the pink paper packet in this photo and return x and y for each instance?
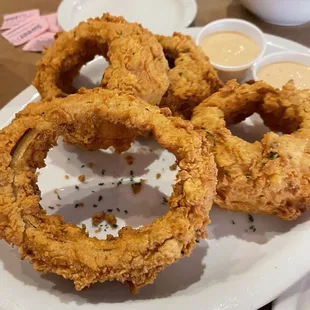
(39, 43)
(12, 20)
(52, 21)
(25, 31)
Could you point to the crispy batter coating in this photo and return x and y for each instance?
(192, 77)
(289, 107)
(271, 176)
(137, 63)
(137, 255)
(238, 102)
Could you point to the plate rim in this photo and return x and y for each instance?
(260, 293)
(292, 297)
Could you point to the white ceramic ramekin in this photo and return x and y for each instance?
(238, 25)
(299, 58)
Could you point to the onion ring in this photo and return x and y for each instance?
(137, 63)
(137, 255)
(192, 77)
(268, 177)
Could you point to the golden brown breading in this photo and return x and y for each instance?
(287, 110)
(237, 102)
(137, 63)
(192, 77)
(137, 255)
(271, 176)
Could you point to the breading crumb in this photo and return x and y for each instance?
(98, 230)
(129, 159)
(101, 216)
(136, 187)
(173, 167)
(111, 219)
(81, 178)
(98, 218)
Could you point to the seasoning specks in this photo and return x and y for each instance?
(55, 192)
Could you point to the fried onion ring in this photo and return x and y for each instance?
(137, 255)
(271, 176)
(192, 77)
(137, 63)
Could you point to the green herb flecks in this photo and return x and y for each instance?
(273, 155)
(164, 201)
(211, 138)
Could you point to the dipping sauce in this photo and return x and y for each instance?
(279, 73)
(229, 48)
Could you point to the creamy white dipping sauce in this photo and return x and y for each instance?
(229, 48)
(279, 73)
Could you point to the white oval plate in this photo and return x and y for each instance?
(160, 16)
(235, 268)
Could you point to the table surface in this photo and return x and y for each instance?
(17, 68)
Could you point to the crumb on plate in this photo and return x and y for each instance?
(136, 187)
(173, 167)
(129, 159)
(81, 178)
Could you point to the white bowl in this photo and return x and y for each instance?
(299, 58)
(280, 12)
(238, 25)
